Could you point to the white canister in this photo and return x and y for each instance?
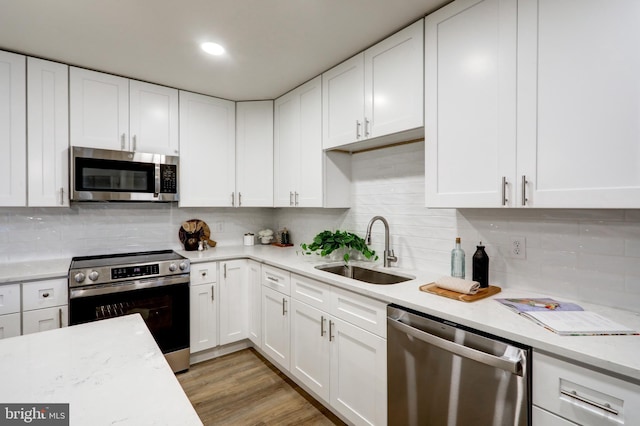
(249, 239)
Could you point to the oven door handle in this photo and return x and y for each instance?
(111, 288)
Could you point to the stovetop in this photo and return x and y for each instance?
(122, 259)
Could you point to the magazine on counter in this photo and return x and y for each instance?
(564, 318)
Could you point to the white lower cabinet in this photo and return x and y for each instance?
(44, 305)
(203, 304)
(233, 301)
(580, 395)
(254, 284)
(276, 326)
(9, 310)
(343, 363)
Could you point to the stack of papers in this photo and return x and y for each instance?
(567, 319)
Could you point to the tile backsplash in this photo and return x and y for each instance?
(587, 255)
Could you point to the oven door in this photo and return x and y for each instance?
(164, 308)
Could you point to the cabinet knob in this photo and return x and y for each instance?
(45, 294)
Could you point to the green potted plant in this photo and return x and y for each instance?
(326, 242)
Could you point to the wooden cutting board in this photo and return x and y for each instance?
(481, 294)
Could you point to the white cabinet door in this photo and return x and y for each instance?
(579, 103)
(276, 326)
(540, 417)
(153, 121)
(310, 354)
(13, 127)
(207, 151)
(203, 314)
(99, 110)
(254, 280)
(394, 83)
(9, 299)
(48, 133)
(44, 319)
(470, 104)
(9, 325)
(309, 190)
(358, 373)
(286, 148)
(234, 301)
(343, 103)
(254, 154)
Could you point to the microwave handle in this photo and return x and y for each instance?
(157, 181)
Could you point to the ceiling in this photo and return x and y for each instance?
(272, 45)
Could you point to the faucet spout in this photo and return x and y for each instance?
(388, 256)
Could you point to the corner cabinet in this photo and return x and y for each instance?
(13, 130)
(376, 93)
(543, 127)
(304, 175)
(254, 154)
(207, 151)
(111, 112)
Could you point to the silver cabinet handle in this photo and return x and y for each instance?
(331, 336)
(122, 137)
(510, 365)
(233, 199)
(239, 199)
(213, 293)
(296, 198)
(284, 306)
(134, 143)
(524, 190)
(225, 270)
(61, 196)
(366, 127)
(574, 395)
(290, 198)
(273, 279)
(358, 129)
(60, 317)
(504, 190)
(322, 320)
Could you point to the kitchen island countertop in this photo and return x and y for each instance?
(109, 372)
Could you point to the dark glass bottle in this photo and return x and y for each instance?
(481, 266)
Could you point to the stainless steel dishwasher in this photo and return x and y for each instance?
(440, 373)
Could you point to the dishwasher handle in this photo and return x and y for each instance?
(510, 365)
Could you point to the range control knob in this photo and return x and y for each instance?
(172, 267)
(183, 266)
(79, 277)
(93, 275)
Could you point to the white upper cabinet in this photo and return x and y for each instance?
(13, 127)
(304, 175)
(533, 105)
(207, 151)
(470, 101)
(254, 154)
(376, 93)
(48, 133)
(111, 112)
(153, 118)
(579, 103)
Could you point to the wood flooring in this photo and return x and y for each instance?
(243, 388)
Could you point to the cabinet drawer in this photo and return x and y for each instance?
(583, 395)
(277, 279)
(9, 299)
(44, 319)
(359, 310)
(311, 292)
(204, 273)
(540, 417)
(44, 294)
(9, 325)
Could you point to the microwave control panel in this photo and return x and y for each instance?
(168, 178)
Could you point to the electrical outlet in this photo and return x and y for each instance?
(518, 248)
(219, 227)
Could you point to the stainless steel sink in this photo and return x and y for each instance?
(366, 275)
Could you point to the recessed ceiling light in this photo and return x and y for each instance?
(212, 48)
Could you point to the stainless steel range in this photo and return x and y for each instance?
(154, 284)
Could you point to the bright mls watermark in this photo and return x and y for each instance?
(34, 414)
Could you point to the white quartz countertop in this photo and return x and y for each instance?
(16, 272)
(616, 354)
(110, 372)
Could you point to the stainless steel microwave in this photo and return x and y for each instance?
(107, 175)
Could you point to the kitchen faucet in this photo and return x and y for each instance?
(388, 254)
